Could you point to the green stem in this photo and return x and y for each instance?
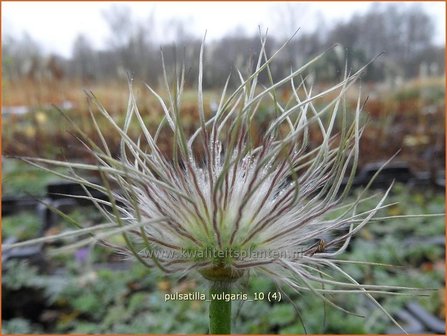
(220, 310)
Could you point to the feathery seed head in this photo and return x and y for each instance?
(228, 201)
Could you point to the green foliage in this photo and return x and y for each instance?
(23, 226)
(19, 326)
(19, 275)
(119, 301)
(281, 315)
(22, 179)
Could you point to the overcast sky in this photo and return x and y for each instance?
(56, 24)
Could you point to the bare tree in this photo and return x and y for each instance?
(131, 41)
(288, 18)
(83, 59)
(21, 57)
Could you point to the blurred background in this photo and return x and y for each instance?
(52, 52)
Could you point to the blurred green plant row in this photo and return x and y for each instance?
(74, 297)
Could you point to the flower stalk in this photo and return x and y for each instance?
(219, 309)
